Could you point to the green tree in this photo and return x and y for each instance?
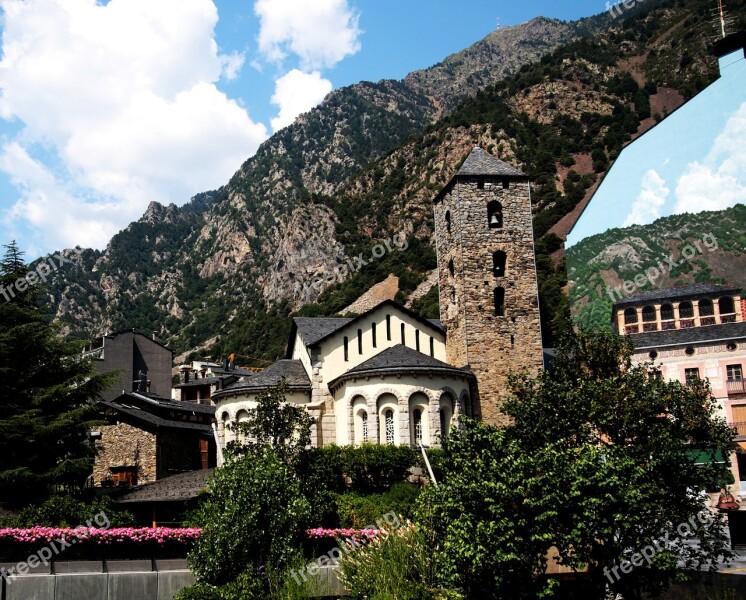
(493, 514)
(625, 469)
(46, 395)
(253, 517)
(282, 425)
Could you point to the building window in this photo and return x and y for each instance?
(735, 372)
(686, 311)
(388, 327)
(432, 347)
(373, 332)
(691, 375)
(499, 302)
(451, 268)
(480, 183)
(495, 214)
(653, 354)
(689, 351)
(667, 312)
(417, 339)
(388, 418)
(124, 476)
(705, 308)
(630, 316)
(726, 305)
(417, 420)
(347, 349)
(448, 221)
(359, 341)
(648, 313)
(443, 425)
(499, 259)
(364, 419)
(506, 184)
(654, 374)
(403, 338)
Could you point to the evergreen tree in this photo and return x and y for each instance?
(46, 394)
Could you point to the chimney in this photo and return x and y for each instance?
(155, 334)
(184, 372)
(143, 384)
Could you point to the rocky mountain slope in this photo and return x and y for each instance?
(363, 167)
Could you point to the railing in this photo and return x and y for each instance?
(740, 428)
(728, 318)
(736, 386)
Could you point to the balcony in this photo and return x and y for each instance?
(740, 428)
(728, 318)
(736, 387)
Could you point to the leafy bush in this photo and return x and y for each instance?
(373, 467)
(253, 518)
(66, 511)
(356, 510)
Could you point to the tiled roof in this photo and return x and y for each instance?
(313, 329)
(400, 359)
(157, 421)
(160, 402)
(481, 162)
(699, 289)
(155, 410)
(693, 335)
(292, 370)
(176, 488)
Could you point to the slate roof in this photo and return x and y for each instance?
(400, 359)
(292, 370)
(313, 329)
(698, 289)
(176, 488)
(150, 410)
(199, 382)
(481, 162)
(693, 335)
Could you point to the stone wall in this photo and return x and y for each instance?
(123, 445)
(491, 345)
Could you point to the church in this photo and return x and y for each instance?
(389, 376)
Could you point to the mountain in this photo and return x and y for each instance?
(234, 263)
(673, 251)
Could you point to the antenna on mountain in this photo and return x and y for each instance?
(498, 24)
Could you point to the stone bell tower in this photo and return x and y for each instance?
(489, 297)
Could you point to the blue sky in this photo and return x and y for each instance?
(106, 106)
(694, 160)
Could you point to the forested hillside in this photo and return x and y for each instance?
(708, 247)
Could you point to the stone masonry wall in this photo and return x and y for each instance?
(123, 445)
(492, 346)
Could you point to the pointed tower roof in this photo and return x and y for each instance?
(481, 162)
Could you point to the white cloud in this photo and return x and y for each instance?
(320, 32)
(232, 64)
(646, 207)
(121, 98)
(297, 92)
(720, 180)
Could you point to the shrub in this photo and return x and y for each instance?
(253, 516)
(373, 467)
(356, 510)
(397, 566)
(66, 511)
